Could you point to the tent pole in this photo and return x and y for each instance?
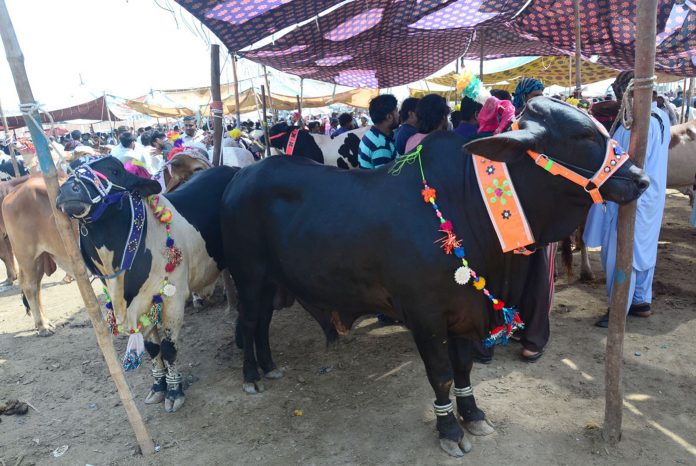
(688, 99)
(6, 130)
(264, 124)
(15, 59)
(483, 41)
(216, 103)
(268, 88)
(108, 112)
(683, 107)
(578, 61)
(642, 98)
(236, 89)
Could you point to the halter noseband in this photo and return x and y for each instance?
(614, 158)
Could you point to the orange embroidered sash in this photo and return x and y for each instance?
(502, 203)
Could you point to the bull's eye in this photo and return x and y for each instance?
(114, 172)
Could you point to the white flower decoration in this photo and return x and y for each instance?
(462, 275)
(169, 290)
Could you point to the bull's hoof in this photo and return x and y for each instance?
(198, 302)
(253, 388)
(274, 374)
(154, 397)
(47, 330)
(479, 428)
(587, 277)
(455, 449)
(171, 406)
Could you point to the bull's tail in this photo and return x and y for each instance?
(567, 256)
(26, 304)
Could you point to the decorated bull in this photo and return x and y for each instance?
(152, 251)
(415, 240)
(34, 239)
(341, 151)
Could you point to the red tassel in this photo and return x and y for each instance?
(449, 242)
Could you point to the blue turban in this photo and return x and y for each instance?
(524, 87)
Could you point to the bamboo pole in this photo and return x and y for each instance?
(216, 104)
(578, 60)
(642, 99)
(268, 88)
(688, 99)
(15, 59)
(6, 130)
(236, 90)
(483, 42)
(683, 107)
(264, 123)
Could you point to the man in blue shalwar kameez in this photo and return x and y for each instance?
(601, 226)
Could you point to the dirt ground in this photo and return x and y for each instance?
(367, 401)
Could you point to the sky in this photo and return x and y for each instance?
(75, 50)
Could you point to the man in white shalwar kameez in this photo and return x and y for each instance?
(601, 226)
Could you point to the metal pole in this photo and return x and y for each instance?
(642, 99)
(216, 104)
(15, 166)
(578, 60)
(15, 59)
(236, 89)
(264, 123)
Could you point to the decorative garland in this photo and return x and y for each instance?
(135, 350)
(451, 244)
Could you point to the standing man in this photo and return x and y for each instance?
(193, 137)
(346, 122)
(409, 123)
(601, 227)
(377, 145)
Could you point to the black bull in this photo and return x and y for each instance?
(351, 243)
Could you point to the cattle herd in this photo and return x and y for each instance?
(342, 243)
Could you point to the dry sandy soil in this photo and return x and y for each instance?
(366, 401)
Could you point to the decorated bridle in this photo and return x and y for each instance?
(85, 174)
(614, 158)
(291, 140)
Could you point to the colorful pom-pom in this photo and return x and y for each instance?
(462, 275)
(498, 304)
(170, 242)
(446, 225)
(169, 267)
(428, 194)
(480, 283)
(157, 299)
(459, 252)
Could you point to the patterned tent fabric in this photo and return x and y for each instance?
(384, 43)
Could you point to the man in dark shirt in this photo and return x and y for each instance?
(346, 122)
(468, 126)
(409, 121)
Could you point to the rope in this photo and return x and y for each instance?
(407, 159)
(28, 110)
(625, 116)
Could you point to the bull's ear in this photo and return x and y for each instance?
(506, 147)
(146, 187)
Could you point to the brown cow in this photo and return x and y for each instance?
(34, 238)
(6, 254)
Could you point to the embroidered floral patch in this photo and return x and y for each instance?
(506, 214)
(499, 190)
(490, 169)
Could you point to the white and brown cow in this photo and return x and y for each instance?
(149, 255)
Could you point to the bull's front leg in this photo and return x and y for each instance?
(159, 372)
(174, 314)
(461, 357)
(433, 348)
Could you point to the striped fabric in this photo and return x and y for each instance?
(376, 149)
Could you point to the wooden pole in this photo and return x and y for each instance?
(216, 104)
(578, 60)
(268, 88)
(688, 99)
(642, 100)
(6, 130)
(236, 89)
(16, 61)
(481, 51)
(683, 107)
(264, 123)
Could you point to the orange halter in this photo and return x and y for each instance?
(614, 158)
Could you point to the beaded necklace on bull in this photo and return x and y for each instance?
(136, 346)
(469, 85)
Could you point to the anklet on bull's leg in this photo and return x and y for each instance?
(159, 388)
(474, 418)
(452, 439)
